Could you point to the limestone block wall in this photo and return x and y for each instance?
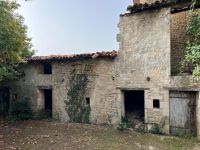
(106, 106)
(62, 74)
(145, 53)
(104, 97)
(28, 85)
(104, 101)
(184, 82)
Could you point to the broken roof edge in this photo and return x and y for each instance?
(176, 6)
(74, 57)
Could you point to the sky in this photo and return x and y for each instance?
(73, 26)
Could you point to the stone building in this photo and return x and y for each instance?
(141, 81)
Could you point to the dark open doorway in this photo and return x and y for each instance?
(4, 101)
(134, 106)
(48, 101)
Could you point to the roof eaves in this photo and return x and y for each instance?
(75, 57)
(176, 5)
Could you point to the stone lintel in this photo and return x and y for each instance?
(183, 88)
(131, 88)
(44, 87)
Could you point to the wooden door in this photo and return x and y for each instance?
(182, 113)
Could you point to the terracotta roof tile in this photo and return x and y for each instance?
(174, 4)
(111, 54)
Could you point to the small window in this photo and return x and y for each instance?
(87, 101)
(156, 103)
(47, 68)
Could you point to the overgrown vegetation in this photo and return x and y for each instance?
(123, 124)
(193, 45)
(21, 110)
(14, 42)
(156, 128)
(76, 108)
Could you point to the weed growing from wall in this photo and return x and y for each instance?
(123, 124)
(76, 108)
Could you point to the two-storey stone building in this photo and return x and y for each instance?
(141, 81)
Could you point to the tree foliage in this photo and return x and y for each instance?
(15, 45)
(193, 44)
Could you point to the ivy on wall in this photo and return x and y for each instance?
(76, 108)
(193, 45)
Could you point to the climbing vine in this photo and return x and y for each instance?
(76, 108)
(193, 45)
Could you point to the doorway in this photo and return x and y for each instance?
(4, 101)
(134, 107)
(183, 113)
(48, 101)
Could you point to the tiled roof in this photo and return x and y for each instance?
(111, 54)
(176, 6)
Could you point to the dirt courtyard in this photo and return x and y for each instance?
(54, 135)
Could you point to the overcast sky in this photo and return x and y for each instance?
(73, 26)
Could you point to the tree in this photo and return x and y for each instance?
(193, 44)
(15, 45)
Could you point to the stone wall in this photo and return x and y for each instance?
(186, 82)
(101, 89)
(105, 107)
(178, 27)
(28, 85)
(145, 54)
(151, 44)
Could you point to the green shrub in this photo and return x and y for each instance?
(123, 124)
(155, 129)
(21, 110)
(86, 114)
